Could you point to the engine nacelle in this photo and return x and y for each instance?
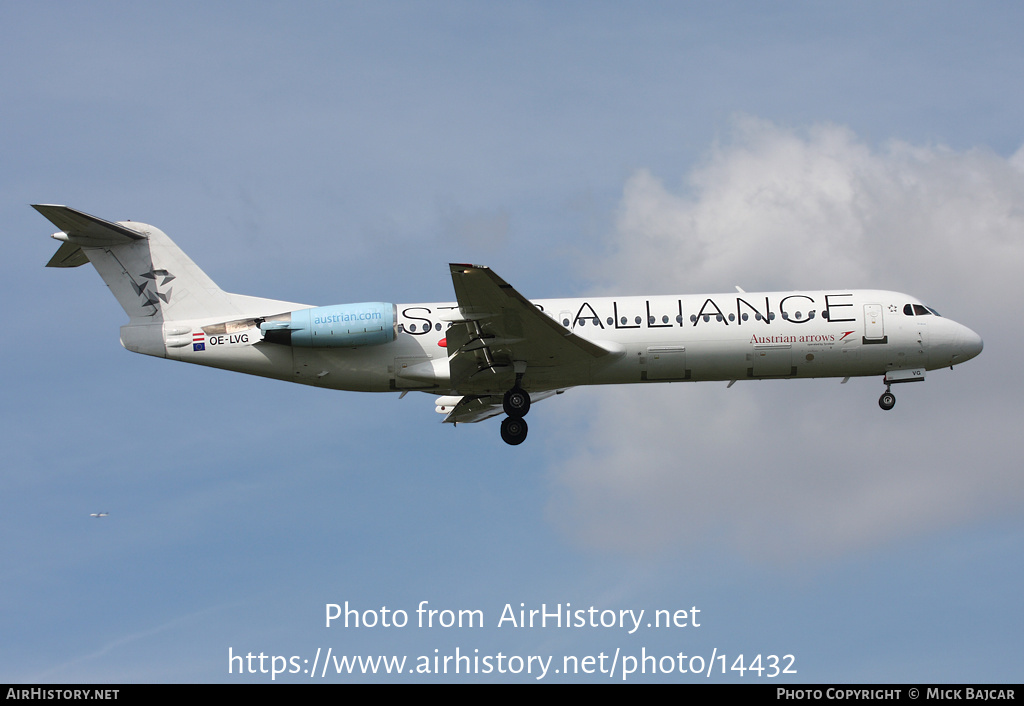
(338, 326)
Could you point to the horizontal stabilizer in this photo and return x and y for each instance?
(87, 230)
(68, 255)
(80, 230)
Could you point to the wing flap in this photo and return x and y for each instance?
(472, 408)
(476, 408)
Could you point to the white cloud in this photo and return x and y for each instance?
(785, 470)
(781, 209)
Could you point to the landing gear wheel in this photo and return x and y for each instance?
(887, 401)
(516, 402)
(513, 430)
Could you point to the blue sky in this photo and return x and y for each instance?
(337, 152)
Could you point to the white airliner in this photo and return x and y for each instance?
(100, 514)
(493, 351)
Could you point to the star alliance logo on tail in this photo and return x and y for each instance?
(153, 298)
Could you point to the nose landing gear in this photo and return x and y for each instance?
(888, 400)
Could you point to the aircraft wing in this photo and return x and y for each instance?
(476, 408)
(498, 332)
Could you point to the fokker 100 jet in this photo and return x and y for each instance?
(493, 351)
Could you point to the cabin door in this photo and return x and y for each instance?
(874, 325)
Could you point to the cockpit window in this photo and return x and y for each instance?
(919, 310)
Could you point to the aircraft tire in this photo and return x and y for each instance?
(516, 402)
(513, 430)
(887, 401)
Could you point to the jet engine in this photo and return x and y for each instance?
(338, 326)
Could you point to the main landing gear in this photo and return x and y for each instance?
(513, 430)
(516, 404)
(888, 400)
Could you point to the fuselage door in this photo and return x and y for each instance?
(772, 359)
(667, 363)
(874, 326)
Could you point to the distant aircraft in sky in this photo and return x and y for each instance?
(493, 351)
(100, 514)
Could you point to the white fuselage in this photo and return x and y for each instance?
(734, 336)
(494, 351)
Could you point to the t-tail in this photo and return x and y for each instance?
(157, 284)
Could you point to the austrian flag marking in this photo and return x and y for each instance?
(198, 341)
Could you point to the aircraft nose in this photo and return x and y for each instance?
(970, 345)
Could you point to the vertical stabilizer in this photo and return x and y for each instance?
(152, 279)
